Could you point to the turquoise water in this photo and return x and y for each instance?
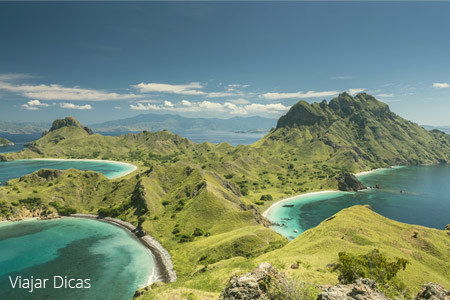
(414, 195)
(115, 262)
(18, 168)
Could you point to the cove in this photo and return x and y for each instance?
(415, 195)
(115, 262)
(18, 168)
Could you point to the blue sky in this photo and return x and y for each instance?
(100, 61)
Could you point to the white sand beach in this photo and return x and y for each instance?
(133, 167)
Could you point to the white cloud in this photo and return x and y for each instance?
(34, 105)
(168, 103)
(141, 106)
(149, 101)
(58, 92)
(13, 76)
(441, 85)
(342, 77)
(355, 91)
(74, 106)
(219, 94)
(186, 103)
(384, 95)
(300, 94)
(28, 107)
(117, 107)
(208, 106)
(239, 101)
(181, 89)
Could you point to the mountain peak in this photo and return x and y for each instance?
(69, 122)
(323, 113)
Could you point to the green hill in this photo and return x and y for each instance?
(355, 230)
(5, 142)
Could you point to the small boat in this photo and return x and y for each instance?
(295, 230)
(288, 205)
(286, 219)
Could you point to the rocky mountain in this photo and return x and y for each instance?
(68, 122)
(176, 123)
(358, 133)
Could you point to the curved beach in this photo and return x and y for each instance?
(300, 196)
(133, 167)
(164, 270)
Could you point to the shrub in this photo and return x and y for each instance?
(375, 266)
(197, 232)
(267, 197)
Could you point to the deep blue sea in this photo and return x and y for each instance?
(115, 262)
(19, 141)
(18, 168)
(414, 195)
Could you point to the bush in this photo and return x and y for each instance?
(267, 197)
(197, 232)
(375, 266)
(186, 238)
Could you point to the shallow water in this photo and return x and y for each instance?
(415, 195)
(18, 168)
(115, 262)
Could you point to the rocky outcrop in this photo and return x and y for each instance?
(252, 285)
(433, 291)
(363, 289)
(67, 122)
(348, 182)
(47, 174)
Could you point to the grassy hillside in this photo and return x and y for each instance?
(355, 230)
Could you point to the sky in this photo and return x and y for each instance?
(100, 61)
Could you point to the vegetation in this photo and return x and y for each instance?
(5, 142)
(201, 201)
(374, 266)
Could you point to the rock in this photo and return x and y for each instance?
(349, 182)
(294, 266)
(363, 289)
(447, 227)
(253, 285)
(67, 122)
(433, 291)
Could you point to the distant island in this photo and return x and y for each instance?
(5, 142)
(171, 122)
(23, 127)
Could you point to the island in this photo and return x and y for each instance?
(5, 142)
(203, 202)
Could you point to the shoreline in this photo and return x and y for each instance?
(299, 196)
(133, 167)
(163, 269)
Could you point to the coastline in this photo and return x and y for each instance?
(295, 198)
(163, 270)
(299, 196)
(133, 167)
